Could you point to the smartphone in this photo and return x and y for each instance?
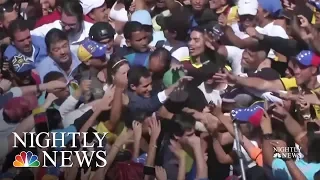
(312, 127)
(147, 170)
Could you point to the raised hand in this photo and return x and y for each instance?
(161, 173)
(154, 128)
(85, 85)
(278, 111)
(137, 130)
(224, 77)
(176, 149)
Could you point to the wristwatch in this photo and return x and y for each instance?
(268, 136)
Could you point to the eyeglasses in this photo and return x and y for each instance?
(63, 24)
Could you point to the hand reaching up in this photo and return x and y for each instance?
(137, 130)
(194, 141)
(224, 77)
(125, 137)
(154, 129)
(176, 149)
(278, 112)
(161, 173)
(5, 84)
(85, 86)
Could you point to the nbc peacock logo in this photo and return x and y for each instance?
(26, 159)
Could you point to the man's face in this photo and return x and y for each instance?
(198, 5)
(261, 14)
(22, 41)
(100, 14)
(144, 88)
(215, 4)
(139, 41)
(8, 18)
(70, 24)
(247, 21)
(184, 139)
(61, 93)
(24, 78)
(196, 43)
(302, 73)
(60, 51)
(109, 42)
(250, 59)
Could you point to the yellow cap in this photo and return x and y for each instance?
(83, 54)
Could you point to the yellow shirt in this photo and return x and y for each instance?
(289, 83)
(230, 12)
(111, 136)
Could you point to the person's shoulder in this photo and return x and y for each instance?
(45, 62)
(10, 52)
(87, 25)
(38, 41)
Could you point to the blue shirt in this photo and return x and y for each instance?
(280, 170)
(48, 64)
(39, 51)
(134, 58)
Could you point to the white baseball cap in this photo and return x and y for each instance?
(247, 7)
(89, 5)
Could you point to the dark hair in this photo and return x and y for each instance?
(164, 55)
(130, 27)
(181, 123)
(198, 29)
(135, 73)
(73, 8)
(53, 36)
(6, 8)
(52, 76)
(113, 66)
(17, 25)
(178, 23)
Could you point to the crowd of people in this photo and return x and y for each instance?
(168, 81)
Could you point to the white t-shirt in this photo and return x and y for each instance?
(180, 53)
(211, 96)
(270, 30)
(234, 58)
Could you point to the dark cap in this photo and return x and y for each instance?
(100, 31)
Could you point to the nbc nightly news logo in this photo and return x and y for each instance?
(83, 157)
(287, 152)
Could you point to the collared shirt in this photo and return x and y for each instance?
(48, 64)
(74, 40)
(38, 47)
